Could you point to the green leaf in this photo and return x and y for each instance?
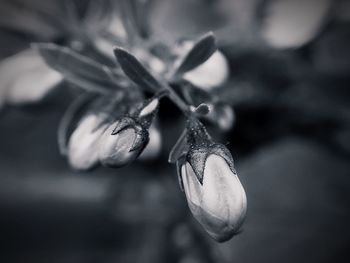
(199, 53)
(135, 70)
(77, 69)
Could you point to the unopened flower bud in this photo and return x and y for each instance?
(122, 143)
(84, 142)
(213, 190)
(125, 139)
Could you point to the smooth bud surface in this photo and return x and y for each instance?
(117, 149)
(149, 108)
(212, 73)
(84, 142)
(219, 203)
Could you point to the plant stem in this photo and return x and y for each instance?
(176, 99)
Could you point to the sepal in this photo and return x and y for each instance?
(122, 124)
(141, 139)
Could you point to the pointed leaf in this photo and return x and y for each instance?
(135, 70)
(199, 53)
(77, 69)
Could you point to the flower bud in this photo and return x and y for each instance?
(214, 193)
(84, 142)
(122, 143)
(125, 139)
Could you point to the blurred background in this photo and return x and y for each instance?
(289, 67)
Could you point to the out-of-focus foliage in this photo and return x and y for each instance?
(290, 138)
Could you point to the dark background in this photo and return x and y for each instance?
(291, 143)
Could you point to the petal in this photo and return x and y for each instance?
(293, 23)
(192, 187)
(223, 193)
(84, 142)
(149, 108)
(217, 228)
(212, 73)
(26, 78)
